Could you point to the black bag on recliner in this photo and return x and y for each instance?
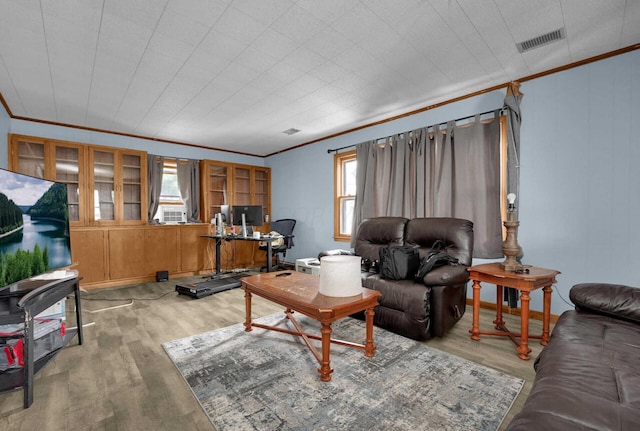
(435, 258)
(399, 262)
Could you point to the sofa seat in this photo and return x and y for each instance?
(588, 376)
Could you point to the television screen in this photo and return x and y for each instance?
(34, 227)
(252, 214)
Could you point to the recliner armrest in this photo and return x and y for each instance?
(614, 300)
(447, 275)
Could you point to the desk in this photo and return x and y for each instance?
(219, 238)
(525, 283)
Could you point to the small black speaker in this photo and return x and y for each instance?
(162, 276)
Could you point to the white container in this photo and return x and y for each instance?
(340, 276)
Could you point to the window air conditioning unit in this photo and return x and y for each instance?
(174, 214)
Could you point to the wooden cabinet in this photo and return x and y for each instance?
(214, 188)
(236, 184)
(118, 189)
(104, 185)
(88, 248)
(59, 161)
(113, 256)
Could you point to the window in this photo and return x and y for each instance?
(171, 208)
(345, 194)
(170, 193)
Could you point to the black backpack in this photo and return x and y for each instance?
(435, 258)
(399, 262)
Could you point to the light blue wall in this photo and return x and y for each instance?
(580, 187)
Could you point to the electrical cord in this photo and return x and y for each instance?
(126, 299)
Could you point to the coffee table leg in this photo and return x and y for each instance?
(247, 307)
(325, 367)
(369, 347)
(523, 349)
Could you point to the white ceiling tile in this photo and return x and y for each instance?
(235, 73)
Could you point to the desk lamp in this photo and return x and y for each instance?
(510, 246)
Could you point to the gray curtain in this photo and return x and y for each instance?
(514, 119)
(155, 165)
(512, 109)
(435, 172)
(189, 183)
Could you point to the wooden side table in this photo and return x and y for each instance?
(526, 283)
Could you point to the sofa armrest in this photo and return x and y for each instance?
(447, 275)
(614, 300)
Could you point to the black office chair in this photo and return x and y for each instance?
(285, 228)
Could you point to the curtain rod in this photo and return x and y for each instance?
(335, 150)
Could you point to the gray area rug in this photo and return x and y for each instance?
(266, 380)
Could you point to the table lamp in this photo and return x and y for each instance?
(340, 276)
(510, 247)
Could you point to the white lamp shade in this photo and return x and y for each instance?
(340, 276)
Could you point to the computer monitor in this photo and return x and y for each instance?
(252, 217)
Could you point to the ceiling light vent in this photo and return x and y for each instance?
(544, 39)
(291, 131)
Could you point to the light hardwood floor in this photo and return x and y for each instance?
(121, 378)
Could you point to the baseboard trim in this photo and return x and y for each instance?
(533, 314)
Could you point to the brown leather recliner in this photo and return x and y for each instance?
(418, 310)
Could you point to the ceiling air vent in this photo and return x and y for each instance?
(290, 131)
(538, 41)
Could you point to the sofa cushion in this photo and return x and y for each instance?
(375, 233)
(457, 235)
(405, 295)
(587, 377)
(614, 300)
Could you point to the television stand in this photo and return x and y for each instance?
(35, 296)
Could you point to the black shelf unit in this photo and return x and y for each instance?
(20, 303)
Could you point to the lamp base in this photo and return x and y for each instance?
(511, 266)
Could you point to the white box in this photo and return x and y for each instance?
(310, 265)
(56, 310)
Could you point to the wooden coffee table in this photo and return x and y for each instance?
(299, 292)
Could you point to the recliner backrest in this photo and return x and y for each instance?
(457, 235)
(379, 232)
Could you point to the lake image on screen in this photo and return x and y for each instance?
(34, 227)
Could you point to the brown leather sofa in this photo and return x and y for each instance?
(588, 376)
(418, 310)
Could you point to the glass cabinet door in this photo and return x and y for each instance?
(261, 189)
(242, 186)
(132, 186)
(68, 172)
(103, 185)
(31, 159)
(217, 180)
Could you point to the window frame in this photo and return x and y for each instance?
(339, 159)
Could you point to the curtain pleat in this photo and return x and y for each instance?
(155, 166)
(435, 172)
(189, 184)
